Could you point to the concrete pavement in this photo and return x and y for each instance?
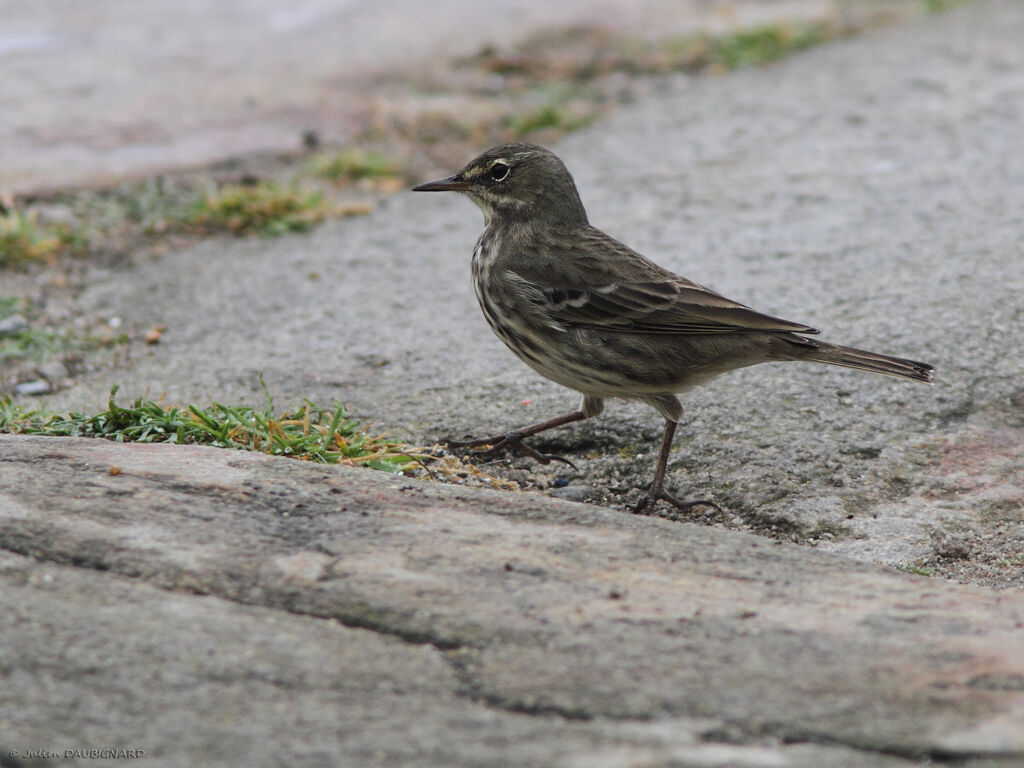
(121, 88)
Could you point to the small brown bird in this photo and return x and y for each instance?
(591, 314)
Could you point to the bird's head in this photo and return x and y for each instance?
(517, 182)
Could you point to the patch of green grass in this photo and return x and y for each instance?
(577, 64)
(583, 56)
(264, 208)
(938, 6)
(548, 117)
(33, 344)
(153, 204)
(744, 48)
(355, 164)
(36, 342)
(916, 570)
(762, 45)
(308, 432)
(23, 239)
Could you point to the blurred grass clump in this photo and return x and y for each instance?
(135, 215)
(548, 118)
(265, 208)
(24, 239)
(27, 341)
(762, 45)
(36, 344)
(355, 164)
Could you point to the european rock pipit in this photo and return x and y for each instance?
(586, 311)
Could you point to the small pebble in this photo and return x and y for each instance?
(13, 324)
(153, 334)
(37, 387)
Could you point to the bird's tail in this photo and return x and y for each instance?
(862, 360)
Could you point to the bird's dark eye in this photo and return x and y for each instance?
(499, 171)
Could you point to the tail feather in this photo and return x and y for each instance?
(862, 360)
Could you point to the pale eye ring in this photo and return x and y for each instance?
(499, 172)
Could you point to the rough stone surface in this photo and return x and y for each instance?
(220, 607)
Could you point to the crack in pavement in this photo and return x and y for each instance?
(236, 587)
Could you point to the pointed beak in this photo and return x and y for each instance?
(451, 184)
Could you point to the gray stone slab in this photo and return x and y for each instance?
(212, 593)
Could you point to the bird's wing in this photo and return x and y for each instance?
(597, 282)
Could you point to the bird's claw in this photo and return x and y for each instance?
(510, 441)
(650, 499)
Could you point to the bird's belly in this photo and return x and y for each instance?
(603, 364)
(599, 363)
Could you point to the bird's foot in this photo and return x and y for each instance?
(650, 500)
(510, 441)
